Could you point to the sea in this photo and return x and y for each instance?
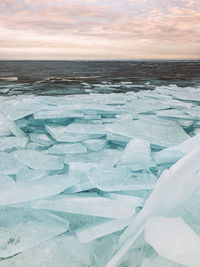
(83, 77)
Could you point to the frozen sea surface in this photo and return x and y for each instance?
(101, 179)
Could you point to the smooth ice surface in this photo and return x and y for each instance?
(27, 175)
(159, 132)
(6, 182)
(62, 251)
(137, 155)
(172, 154)
(41, 139)
(95, 144)
(173, 239)
(38, 160)
(75, 133)
(67, 148)
(88, 204)
(11, 142)
(40, 188)
(180, 182)
(97, 230)
(21, 229)
(11, 126)
(115, 178)
(8, 164)
(57, 113)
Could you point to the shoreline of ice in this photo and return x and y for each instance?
(82, 168)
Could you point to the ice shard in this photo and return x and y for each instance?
(173, 239)
(38, 160)
(21, 229)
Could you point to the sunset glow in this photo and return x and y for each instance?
(106, 29)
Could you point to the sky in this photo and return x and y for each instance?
(99, 29)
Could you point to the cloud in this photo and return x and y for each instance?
(126, 27)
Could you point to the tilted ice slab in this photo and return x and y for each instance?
(95, 144)
(75, 132)
(41, 188)
(88, 204)
(96, 230)
(67, 148)
(57, 113)
(21, 229)
(172, 189)
(41, 139)
(116, 179)
(6, 182)
(63, 250)
(8, 164)
(38, 160)
(137, 155)
(26, 175)
(173, 239)
(10, 125)
(22, 107)
(12, 142)
(174, 153)
(159, 132)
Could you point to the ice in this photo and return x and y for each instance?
(26, 175)
(76, 133)
(21, 229)
(173, 239)
(6, 182)
(116, 179)
(87, 203)
(137, 155)
(67, 148)
(109, 166)
(159, 132)
(12, 142)
(64, 250)
(38, 160)
(95, 144)
(42, 139)
(174, 153)
(97, 230)
(57, 113)
(11, 126)
(180, 182)
(8, 164)
(40, 188)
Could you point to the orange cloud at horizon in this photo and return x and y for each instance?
(120, 29)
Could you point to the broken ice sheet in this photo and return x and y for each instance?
(57, 112)
(173, 239)
(137, 155)
(180, 182)
(11, 142)
(86, 203)
(6, 182)
(41, 139)
(67, 148)
(38, 160)
(41, 188)
(96, 230)
(64, 250)
(21, 229)
(76, 132)
(116, 179)
(26, 175)
(10, 125)
(159, 132)
(8, 164)
(95, 144)
(174, 153)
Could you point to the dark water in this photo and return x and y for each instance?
(72, 77)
